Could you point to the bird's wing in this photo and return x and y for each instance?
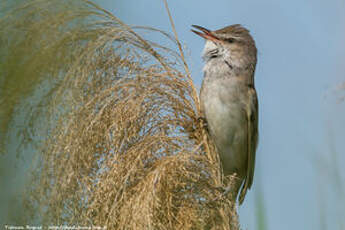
(252, 132)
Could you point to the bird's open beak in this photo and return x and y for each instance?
(205, 33)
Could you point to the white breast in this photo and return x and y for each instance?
(226, 121)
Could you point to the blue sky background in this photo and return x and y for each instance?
(300, 63)
(301, 58)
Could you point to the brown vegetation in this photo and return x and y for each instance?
(124, 147)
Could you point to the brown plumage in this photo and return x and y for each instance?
(229, 101)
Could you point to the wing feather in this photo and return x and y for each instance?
(252, 132)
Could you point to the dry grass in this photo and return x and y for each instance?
(124, 147)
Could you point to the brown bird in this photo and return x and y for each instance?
(229, 102)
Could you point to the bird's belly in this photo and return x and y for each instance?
(227, 125)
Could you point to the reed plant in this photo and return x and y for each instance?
(122, 145)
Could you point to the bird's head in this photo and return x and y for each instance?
(232, 44)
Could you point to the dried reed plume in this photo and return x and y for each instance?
(123, 148)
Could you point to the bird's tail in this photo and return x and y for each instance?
(243, 192)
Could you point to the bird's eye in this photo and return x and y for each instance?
(230, 40)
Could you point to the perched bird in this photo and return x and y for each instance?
(229, 102)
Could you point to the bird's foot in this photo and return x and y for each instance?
(203, 121)
(224, 192)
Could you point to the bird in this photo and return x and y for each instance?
(229, 102)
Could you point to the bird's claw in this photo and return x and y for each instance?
(223, 193)
(203, 121)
